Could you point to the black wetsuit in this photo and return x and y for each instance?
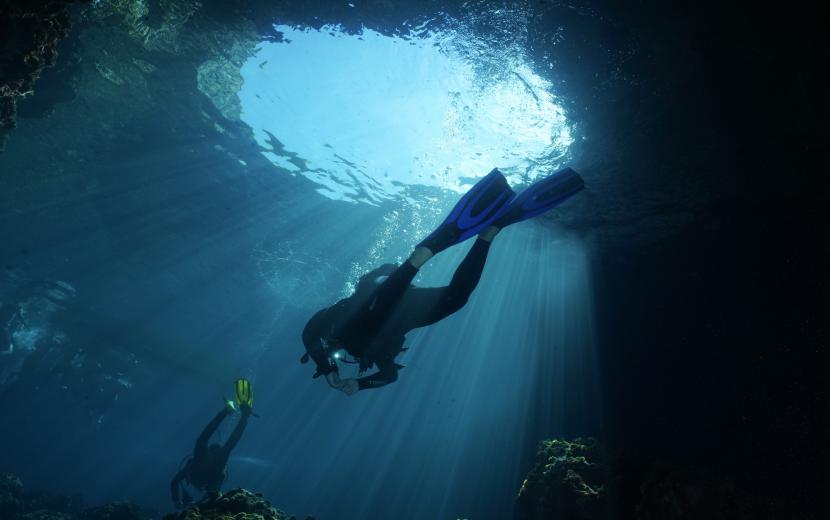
(371, 324)
(206, 469)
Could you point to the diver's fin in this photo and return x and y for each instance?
(474, 212)
(244, 393)
(540, 197)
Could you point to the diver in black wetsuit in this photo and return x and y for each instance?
(371, 324)
(373, 332)
(205, 470)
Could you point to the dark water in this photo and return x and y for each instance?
(151, 254)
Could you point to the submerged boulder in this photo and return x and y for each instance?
(236, 504)
(567, 482)
(583, 480)
(29, 35)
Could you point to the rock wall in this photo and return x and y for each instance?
(236, 504)
(29, 35)
(581, 479)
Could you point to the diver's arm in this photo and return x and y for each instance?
(347, 386)
(175, 489)
(201, 443)
(313, 341)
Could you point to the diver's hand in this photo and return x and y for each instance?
(333, 379)
(347, 386)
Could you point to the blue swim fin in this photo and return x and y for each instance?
(540, 197)
(475, 211)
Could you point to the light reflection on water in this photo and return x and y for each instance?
(367, 117)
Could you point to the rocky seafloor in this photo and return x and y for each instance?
(581, 479)
(236, 504)
(578, 479)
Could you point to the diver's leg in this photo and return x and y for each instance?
(489, 234)
(465, 279)
(200, 450)
(424, 306)
(390, 291)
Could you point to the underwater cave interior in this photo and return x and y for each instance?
(183, 184)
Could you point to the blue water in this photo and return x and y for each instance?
(371, 115)
(153, 272)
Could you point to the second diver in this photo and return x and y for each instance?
(205, 470)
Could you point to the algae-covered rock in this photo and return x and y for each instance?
(236, 504)
(578, 479)
(567, 482)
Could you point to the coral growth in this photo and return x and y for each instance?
(236, 504)
(581, 480)
(568, 481)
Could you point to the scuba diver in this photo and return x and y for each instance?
(371, 324)
(205, 470)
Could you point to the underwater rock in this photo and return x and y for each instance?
(220, 78)
(15, 504)
(582, 479)
(155, 25)
(29, 34)
(236, 504)
(567, 482)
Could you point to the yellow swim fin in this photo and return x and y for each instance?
(244, 393)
